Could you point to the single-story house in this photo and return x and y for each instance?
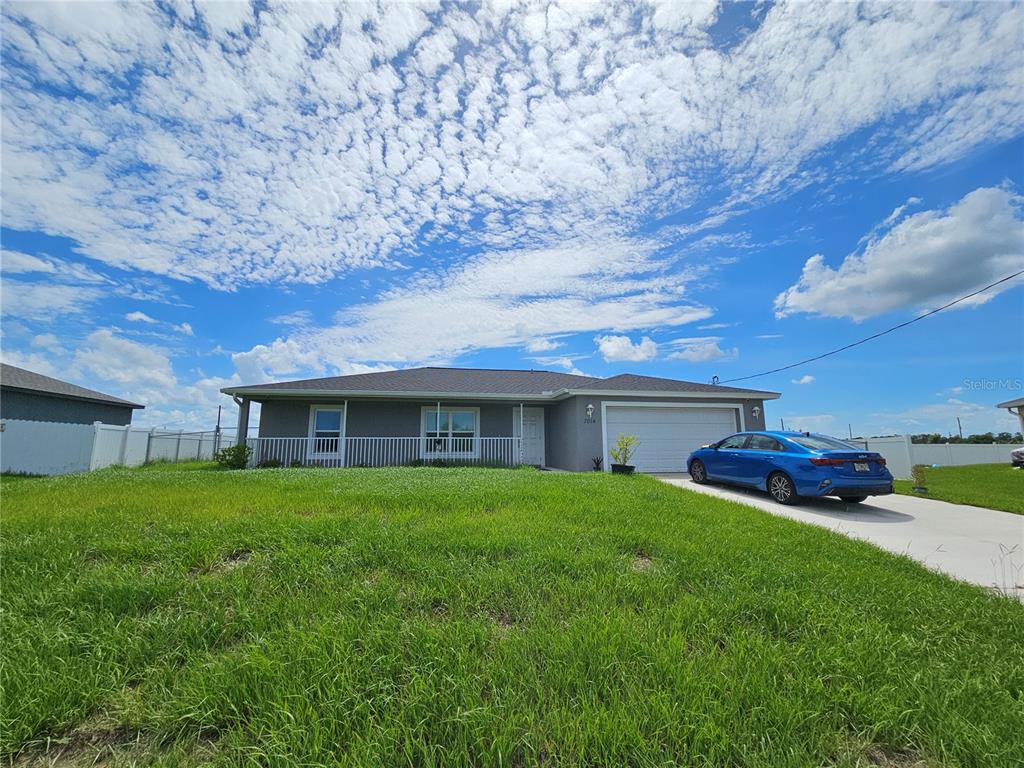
(29, 396)
(543, 418)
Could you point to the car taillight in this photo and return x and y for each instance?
(823, 462)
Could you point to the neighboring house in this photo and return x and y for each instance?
(425, 414)
(28, 396)
(1016, 407)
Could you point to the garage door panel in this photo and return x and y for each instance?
(667, 435)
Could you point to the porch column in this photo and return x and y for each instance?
(243, 420)
(521, 435)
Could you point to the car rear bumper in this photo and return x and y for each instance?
(845, 486)
(858, 490)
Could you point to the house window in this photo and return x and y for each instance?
(326, 427)
(450, 432)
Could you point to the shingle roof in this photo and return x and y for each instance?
(483, 382)
(19, 378)
(468, 380)
(636, 383)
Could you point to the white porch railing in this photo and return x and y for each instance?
(382, 451)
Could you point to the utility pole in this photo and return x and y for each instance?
(959, 428)
(783, 422)
(849, 428)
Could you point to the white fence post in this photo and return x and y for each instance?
(124, 444)
(96, 427)
(177, 448)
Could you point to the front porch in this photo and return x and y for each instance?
(391, 432)
(340, 452)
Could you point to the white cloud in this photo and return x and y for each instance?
(47, 341)
(805, 379)
(302, 145)
(496, 300)
(301, 317)
(702, 349)
(140, 317)
(715, 326)
(542, 345)
(616, 349)
(184, 329)
(923, 260)
(32, 361)
(769, 336)
(44, 301)
(16, 261)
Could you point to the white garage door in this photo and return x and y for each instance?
(667, 435)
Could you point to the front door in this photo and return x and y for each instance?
(532, 433)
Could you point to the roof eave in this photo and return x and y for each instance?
(402, 395)
(748, 394)
(82, 398)
(252, 393)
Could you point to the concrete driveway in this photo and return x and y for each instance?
(973, 544)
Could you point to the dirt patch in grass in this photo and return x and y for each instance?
(94, 742)
(101, 742)
(893, 758)
(236, 559)
(504, 621)
(642, 562)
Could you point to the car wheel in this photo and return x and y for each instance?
(852, 499)
(698, 473)
(781, 488)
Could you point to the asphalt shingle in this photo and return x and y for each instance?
(484, 381)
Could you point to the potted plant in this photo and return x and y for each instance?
(917, 472)
(623, 451)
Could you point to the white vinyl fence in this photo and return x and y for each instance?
(901, 454)
(51, 448)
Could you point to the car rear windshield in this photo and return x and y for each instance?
(821, 443)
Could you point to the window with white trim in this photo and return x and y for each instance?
(326, 430)
(450, 431)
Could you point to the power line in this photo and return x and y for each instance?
(876, 335)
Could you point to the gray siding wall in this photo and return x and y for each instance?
(29, 406)
(560, 434)
(377, 418)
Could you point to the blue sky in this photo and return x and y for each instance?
(198, 195)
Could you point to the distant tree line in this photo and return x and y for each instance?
(986, 437)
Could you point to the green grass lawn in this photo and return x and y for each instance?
(431, 617)
(996, 486)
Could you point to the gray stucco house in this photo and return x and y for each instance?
(29, 396)
(544, 418)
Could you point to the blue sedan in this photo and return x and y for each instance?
(791, 465)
